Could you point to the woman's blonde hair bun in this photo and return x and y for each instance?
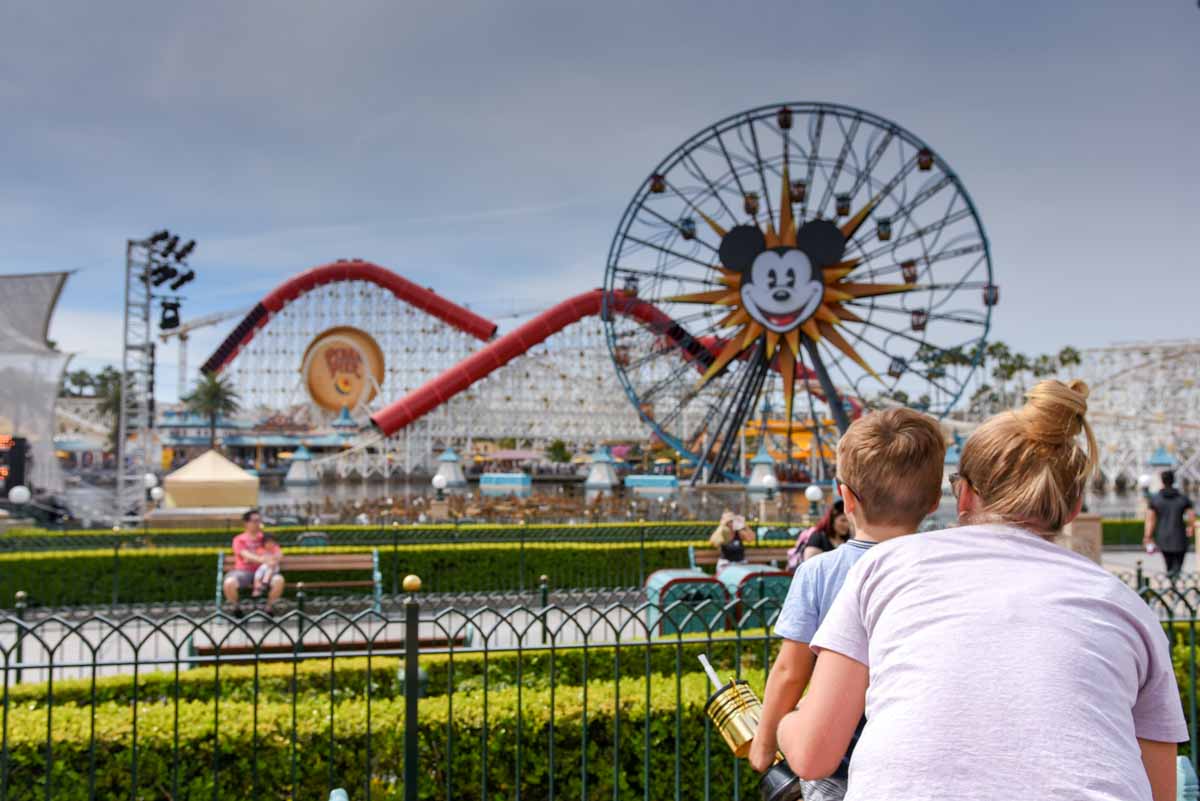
(1054, 412)
(1028, 466)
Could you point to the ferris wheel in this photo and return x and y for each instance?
(794, 261)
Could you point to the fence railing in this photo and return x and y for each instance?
(579, 698)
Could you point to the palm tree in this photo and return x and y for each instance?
(212, 398)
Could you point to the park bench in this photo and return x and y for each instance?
(303, 564)
(755, 555)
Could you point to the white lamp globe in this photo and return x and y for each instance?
(19, 495)
(770, 482)
(814, 493)
(150, 480)
(1144, 480)
(157, 493)
(439, 482)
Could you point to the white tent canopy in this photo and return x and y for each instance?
(30, 370)
(211, 481)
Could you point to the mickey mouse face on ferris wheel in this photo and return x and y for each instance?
(782, 287)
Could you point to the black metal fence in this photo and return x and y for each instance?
(533, 696)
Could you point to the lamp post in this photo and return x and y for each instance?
(19, 495)
(815, 495)
(439, 485)
(769, 483)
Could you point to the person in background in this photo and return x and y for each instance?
(271, 555)
(1169, 520)
(730, 537)
(993, 662)
(833, 529)
(247, 556)
(890, 472)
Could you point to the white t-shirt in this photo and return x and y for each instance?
(1002, 666)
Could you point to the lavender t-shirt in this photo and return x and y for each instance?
(1001, 666)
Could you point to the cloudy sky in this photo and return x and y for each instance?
(488, 149)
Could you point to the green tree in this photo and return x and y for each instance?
(212, 398)
(80, 383)
(1069, 357)
(557, 452)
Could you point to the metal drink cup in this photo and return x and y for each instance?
(735, 711)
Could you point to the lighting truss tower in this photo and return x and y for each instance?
(137, 376)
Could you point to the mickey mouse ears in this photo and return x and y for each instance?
(820, 240)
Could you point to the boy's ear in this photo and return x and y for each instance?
(849, 504)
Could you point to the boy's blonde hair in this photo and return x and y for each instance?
(892, 460)
(1030, 466)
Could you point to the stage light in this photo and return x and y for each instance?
(170, 315)
(170, 246)
(182, 279)
(158, 236)
(186, 250)
(162, 273)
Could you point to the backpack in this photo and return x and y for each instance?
(795, 554)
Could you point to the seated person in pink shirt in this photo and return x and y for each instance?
(995, 663)
(250, 552)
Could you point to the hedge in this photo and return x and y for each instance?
(274, 750)
(380, 534)
(150, 575)
(316, 678)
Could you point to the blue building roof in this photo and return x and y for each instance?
(762, 457)
(602, 455)
(1162, 458)
(448, 455)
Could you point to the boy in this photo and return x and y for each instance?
(889, 472)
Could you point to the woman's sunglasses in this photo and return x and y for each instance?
(957, 480)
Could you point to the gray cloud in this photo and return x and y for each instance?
(488, 149)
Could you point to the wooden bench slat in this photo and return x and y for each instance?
(318, 585)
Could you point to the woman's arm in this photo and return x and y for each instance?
(1159, 761)
(815, 737)
(810, 551)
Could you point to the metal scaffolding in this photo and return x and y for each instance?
(137, 379)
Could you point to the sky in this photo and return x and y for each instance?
(488, 149)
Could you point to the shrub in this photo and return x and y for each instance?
(622, 733)
(467, 671)
(94, 577)
(216, 537)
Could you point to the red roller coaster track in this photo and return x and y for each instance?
(346, 270)
(392, 418)
(496, 354)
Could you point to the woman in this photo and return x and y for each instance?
(832, 530)
(999, 664)
(730, 537)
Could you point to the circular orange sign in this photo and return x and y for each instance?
(343, 366)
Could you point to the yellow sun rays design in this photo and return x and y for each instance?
(824, 323)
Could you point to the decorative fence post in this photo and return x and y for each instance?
(544, 580)
(20, 607)
(1141, 578)
(412, 688)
